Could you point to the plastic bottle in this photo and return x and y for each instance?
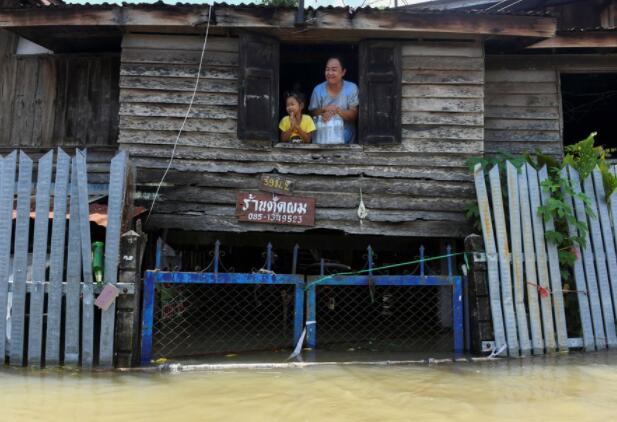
(98, 256)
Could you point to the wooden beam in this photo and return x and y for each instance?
(579, 40)
(495, 25)
(562, 62)
(274, 19)
(111, 16)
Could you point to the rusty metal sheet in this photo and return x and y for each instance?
(504, 261)
(518, 278)
(543, 281)
(491, 257)
(601, 267)
(531, 278)
(554, 272)
(588, 261)
(579, 280)
(275, 209)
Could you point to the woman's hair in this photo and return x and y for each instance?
(295, 94)
(340, 60)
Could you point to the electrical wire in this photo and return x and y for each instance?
(186, 116)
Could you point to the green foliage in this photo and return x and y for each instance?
(584, 157)
(280, 3)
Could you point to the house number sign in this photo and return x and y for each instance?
(274, 209)
(276, 184)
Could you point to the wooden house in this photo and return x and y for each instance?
(439, 83)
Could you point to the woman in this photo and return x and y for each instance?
(335, 99)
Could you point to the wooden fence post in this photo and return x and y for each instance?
(481, 325)
(128, 316)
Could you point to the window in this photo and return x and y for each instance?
(265, 65)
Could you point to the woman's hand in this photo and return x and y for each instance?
(329, 112)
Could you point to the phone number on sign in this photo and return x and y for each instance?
(278, 218)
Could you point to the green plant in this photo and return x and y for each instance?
(583, 156)
(563, 216)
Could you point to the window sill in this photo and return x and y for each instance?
(313, 147)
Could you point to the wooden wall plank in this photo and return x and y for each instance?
(505, 275)
(418, 228)
(20, 261)
(59, 99)
(178, 42)
(523, 104)
(531, 275)
(318, 183)
(443, 49)
(491, 258)
(518, 278)
(56, 260)
(39, 260)
(442, 117)
(590, 271)
(8, 165)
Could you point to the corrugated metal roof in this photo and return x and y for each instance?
(164, 5)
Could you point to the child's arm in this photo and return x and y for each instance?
(305, 133)
(306, 136)
(286, 134)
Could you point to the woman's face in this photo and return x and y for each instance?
(293, 106)
(334, 72)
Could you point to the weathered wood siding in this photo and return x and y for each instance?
(417, 188)
(523, 107)
(57, 100)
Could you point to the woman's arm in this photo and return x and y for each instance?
(348, 115)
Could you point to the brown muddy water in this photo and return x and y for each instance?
(574, 387)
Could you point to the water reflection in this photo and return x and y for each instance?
(573, 387)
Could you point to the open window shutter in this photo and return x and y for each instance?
(259, 86)
(380, 92)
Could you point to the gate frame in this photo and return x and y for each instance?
(387, 280)
(154, 277)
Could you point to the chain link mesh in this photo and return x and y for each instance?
(384, 319)
(199, 319)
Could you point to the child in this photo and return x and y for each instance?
(297, 127)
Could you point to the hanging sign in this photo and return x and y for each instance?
(274, 209)
(276, 184)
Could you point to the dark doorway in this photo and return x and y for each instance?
(303, 67)
(590, 105)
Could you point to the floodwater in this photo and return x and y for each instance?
(574, 387)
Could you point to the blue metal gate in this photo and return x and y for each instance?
(210, 312)
(416, 325)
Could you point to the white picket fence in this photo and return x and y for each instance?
(525, 283)
(61, 264)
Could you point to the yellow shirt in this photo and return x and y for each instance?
(306, 124)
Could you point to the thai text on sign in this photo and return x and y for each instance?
(275, 209)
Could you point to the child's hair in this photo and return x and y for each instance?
(295, 94)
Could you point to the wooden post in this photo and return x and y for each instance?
(481, 326)
(128, 315)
